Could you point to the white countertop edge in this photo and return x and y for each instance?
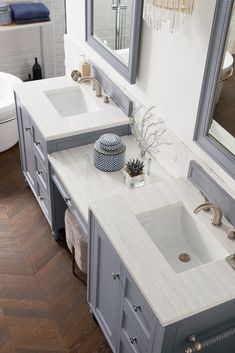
(84, 131)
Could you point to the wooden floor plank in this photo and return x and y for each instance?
(43, 307)
(8, 347)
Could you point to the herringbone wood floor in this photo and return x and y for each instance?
(43, 306)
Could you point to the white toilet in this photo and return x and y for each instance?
(8, 123)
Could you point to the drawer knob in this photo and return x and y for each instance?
(136, 307)
(42, 198)
(37, 143)
(39, 172)
(67, 199)
(133, 340)
(196, 345)
(27, 129)
(115, 275)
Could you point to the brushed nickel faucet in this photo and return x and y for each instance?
(216, 215)
(96, 84)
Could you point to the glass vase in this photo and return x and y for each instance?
(134, 181)
(147, 162)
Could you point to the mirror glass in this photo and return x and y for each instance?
(222, 123)
(112, 22)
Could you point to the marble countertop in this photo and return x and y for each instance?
(172, 296)
(85, 183)
(48, 120)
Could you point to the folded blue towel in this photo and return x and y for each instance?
(31, 20)
(22, 11)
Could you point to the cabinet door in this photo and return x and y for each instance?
(104, 283)
(26, 145)
(138, 323)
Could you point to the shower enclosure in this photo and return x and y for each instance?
(120, 7)
(112, 23)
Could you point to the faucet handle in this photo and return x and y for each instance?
(231, 234)
(76, 74)
(106, 98)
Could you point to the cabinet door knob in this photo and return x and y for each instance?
(115, 275)
(196, 344)
(39, 172)
(42, 198)
(37, 143)
(136, 307)
(27, 129)
(133, 340)
(67, 199)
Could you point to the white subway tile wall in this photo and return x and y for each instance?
(19, 48)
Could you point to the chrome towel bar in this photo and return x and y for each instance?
(199, 346)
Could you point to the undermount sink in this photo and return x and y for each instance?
(183, 241)
(71, 101)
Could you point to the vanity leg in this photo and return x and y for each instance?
(56, 235)
(93, 316)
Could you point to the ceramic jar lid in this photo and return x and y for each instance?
(109, 144)
(4, 7)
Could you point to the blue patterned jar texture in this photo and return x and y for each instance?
(109, 153)
(5, 15)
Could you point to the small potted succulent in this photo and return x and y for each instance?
(134, 173)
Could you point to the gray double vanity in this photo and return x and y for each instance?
(161, 278)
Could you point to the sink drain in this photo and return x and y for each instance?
(184, 257)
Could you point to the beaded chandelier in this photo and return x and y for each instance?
(174, 12)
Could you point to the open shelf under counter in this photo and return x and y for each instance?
(14, 26)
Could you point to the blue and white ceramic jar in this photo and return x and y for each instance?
(109, 153)
(5, 15)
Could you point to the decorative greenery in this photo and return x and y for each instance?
(134, 167)
(148, 129)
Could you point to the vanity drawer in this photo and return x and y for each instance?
(69, 202)
(41, 173)
(135, 302)
(39, 143)
(43, 199)
(132, 337)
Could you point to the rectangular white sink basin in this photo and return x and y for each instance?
(71, 101)
(183, 241)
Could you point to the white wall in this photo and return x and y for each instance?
(170, 76)
(18, 48)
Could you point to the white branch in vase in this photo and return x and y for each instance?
(149, 130)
